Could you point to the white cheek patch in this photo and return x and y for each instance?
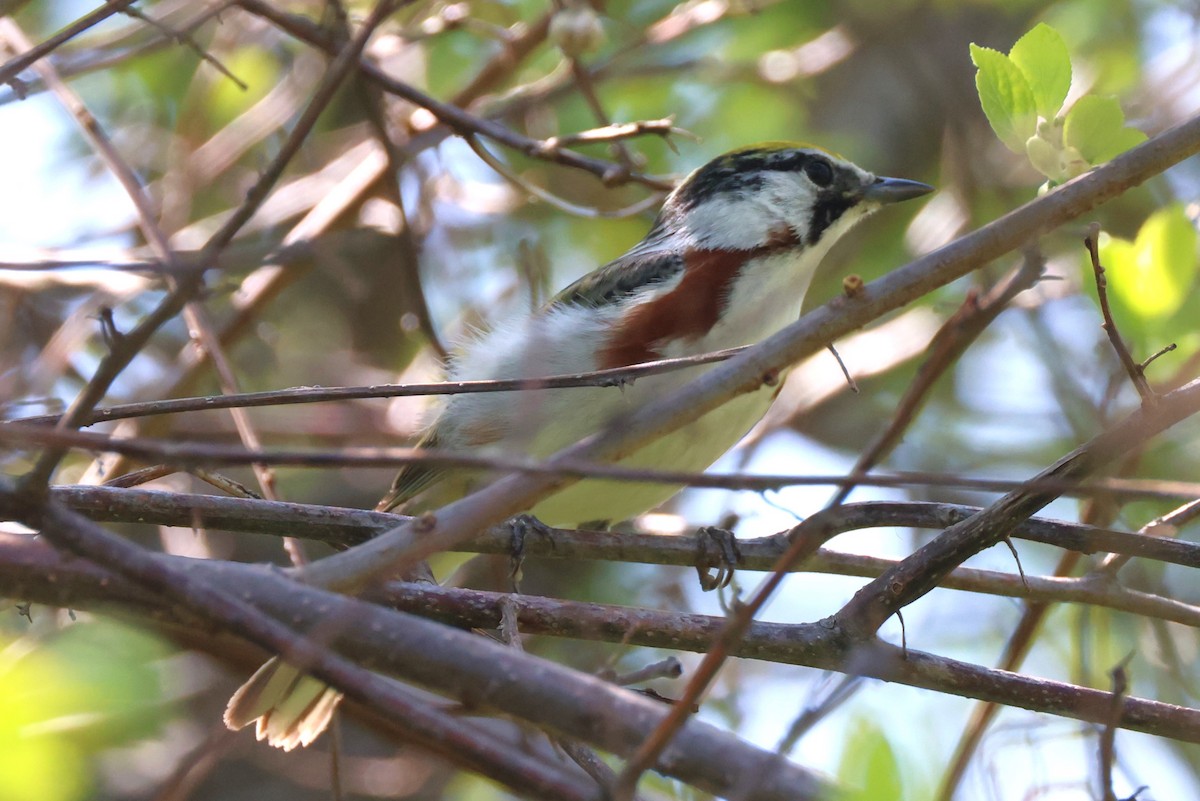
(726, 223)
(733, 222)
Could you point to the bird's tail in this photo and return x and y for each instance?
(290, 707)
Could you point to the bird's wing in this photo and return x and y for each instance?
(412, 478)
(650, 262)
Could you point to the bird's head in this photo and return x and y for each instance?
(777, 193)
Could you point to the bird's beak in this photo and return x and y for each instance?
(894, 190)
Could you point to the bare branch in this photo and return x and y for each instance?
(192, 454)
(458, 664)
(11, 69)
(348, 527)
(450, 115)
(472, 669)
(612, 377)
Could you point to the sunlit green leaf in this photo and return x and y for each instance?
(1096, 127)
(1121, 141)
(1006, 97)
(1152, 275)
(1041, 56)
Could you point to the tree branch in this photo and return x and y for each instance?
(474, 670)
(374, 641)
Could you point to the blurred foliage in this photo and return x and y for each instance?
(893, 86)
(1153, 280)
(869, 767)
(69, 696)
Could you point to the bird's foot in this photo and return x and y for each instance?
(716, 548)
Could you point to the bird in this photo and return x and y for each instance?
(727, 262)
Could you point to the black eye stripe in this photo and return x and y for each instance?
(742, 171)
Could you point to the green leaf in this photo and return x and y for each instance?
(1096, 127)
(1006, 97)
(255, 67)
(1121, 141)
(1041, 56)
(869, 766)
(1153, 275)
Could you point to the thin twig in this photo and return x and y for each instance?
(1132, 369)
(450, 115)
(190, 454)
(554, 200)
(33, 53)
(185, 38)
(665, 128)
(611, 377)
(948, 344)
(850, 382)
(583, 83)
(1108, 734)
(1163, 351)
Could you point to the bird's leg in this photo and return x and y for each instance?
(716, 548)
(519, 527)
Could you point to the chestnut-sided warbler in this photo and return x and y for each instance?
(726, 263)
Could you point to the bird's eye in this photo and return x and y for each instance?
(819, 172)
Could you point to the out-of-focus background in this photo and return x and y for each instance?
(369, 257)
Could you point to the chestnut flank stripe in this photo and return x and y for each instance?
(690, 310)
